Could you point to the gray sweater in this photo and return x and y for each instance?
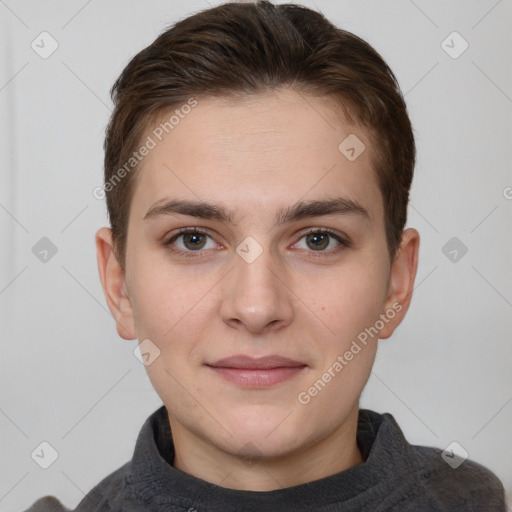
(396, 476)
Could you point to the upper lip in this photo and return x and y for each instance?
(259, 363)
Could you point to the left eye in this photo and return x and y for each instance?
(321, 240)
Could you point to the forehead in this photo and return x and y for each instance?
(262, 151)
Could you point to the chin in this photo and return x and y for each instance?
(253, 447)
(269, 435)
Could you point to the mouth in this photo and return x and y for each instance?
(260, 372)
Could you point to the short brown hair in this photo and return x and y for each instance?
(240, 49)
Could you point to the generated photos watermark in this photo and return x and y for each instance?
(304, 397)
(151, 142)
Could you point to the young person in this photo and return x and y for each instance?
(257, 171)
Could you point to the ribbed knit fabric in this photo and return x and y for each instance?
(396, 476)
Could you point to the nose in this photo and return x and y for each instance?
(256, 296)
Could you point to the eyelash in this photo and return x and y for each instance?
(343, 243)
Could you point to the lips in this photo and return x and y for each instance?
(257, 372)
(260, 363)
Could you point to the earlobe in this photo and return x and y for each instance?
(401, 281)
(112, 278)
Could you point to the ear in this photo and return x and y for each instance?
(401, 281)
(114, 287)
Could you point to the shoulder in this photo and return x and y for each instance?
(47, 504)
(455, 483)
(111, 490)
(115, 491)
(426, 477)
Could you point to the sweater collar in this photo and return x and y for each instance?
(155, 482)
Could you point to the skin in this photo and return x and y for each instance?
(256, 157)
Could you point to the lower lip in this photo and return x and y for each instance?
(258, 378)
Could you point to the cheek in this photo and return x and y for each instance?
(349, 299)
(170, 312)
(165, 299)
(349, 303)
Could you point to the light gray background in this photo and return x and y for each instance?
(65, 375)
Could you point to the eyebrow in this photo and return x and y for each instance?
(296, 212)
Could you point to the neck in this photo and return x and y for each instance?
(332, 454)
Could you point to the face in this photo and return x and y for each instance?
(254, 309)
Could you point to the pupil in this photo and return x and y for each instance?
(319, 240)
(194, 239)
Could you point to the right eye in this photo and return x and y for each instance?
(190, 240)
